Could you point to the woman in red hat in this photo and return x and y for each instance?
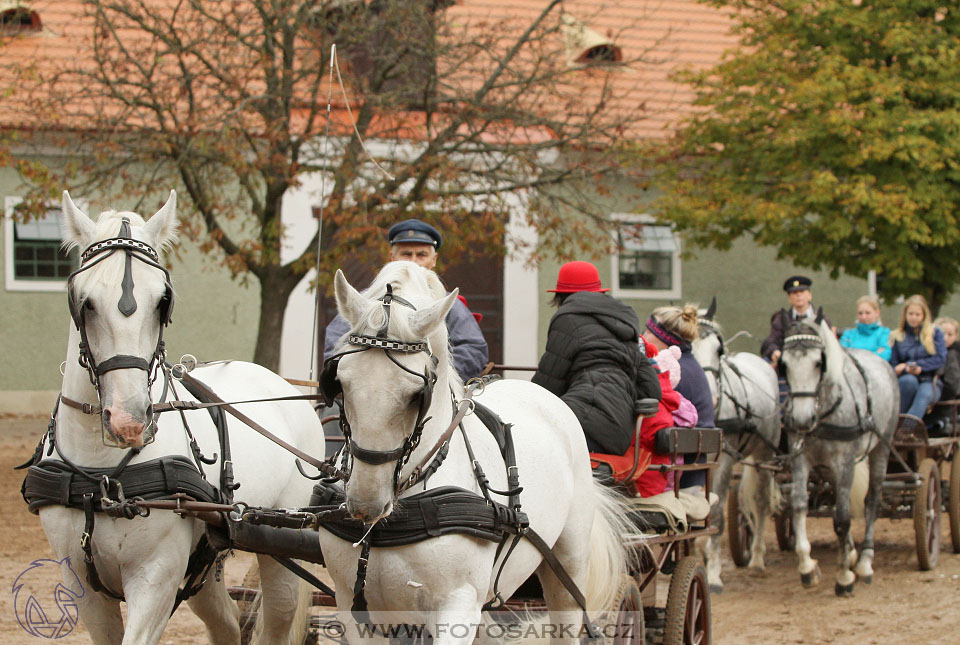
(593, 361)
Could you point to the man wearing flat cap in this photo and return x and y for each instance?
(798, 292)
(419, 242)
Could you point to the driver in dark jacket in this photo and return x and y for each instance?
(593, 360)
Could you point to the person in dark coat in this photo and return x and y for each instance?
(799, 294)
(593, 359)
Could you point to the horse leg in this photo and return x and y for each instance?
(799, 500)
(457, 618)
(766, 500)
(719, 484)
(101, 616)
(149, 601)
(878, 471)
(284, 604)
(841, 526)
(220, 615)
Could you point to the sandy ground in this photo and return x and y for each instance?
(903, 605)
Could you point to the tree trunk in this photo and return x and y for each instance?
(275, 290)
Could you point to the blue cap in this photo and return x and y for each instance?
(413, 231)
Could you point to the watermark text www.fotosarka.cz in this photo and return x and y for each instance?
(45, 598)
(613, 627)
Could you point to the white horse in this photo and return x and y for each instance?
(144, 559)
(744, 388)
(443, 582)
(841, 409)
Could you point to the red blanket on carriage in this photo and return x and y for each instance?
(647, 483)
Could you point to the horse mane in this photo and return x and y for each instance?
(419, 286)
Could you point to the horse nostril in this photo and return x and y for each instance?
(106, 418)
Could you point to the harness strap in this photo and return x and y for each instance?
(86, 543)
(547, 553)
(324, 467)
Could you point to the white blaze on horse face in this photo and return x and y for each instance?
(804, 367)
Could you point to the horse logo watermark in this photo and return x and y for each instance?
(45, 596)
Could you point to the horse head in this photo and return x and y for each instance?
(394, 357)
(812, 364)
(120, 300)
(708, 347)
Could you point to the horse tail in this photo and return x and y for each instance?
(609, 560)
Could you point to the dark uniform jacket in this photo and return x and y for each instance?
(594, 363)
(775, 340)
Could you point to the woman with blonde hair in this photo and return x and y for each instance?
(869, 334)
(669, 326)
(919, 352)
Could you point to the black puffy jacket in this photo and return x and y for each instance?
(594, 363)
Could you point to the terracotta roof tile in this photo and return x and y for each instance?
(672, 33)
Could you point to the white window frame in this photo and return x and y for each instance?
(11, 282)
(676, 274)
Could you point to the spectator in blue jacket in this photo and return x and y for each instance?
(418, 242)
(869, 334)
(919, 353)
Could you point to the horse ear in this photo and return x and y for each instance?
(423, 322)
(350, 303)
(819, 315)
(711, 310)
(78, 229)
(162, 227)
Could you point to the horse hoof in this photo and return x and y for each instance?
(843, 591)
(716, 589)
(866, 579)
(811, 579)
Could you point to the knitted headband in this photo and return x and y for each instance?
(667, 337)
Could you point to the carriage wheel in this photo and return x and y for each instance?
(629, 625)
(926, 515)
(688, 605)
(954, 508)
(783, 522)
(739, 531)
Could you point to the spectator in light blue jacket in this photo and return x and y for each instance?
(869, 334)
(919, 353)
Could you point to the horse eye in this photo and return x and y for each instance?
(88, 305)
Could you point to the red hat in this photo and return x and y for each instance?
(578, 276)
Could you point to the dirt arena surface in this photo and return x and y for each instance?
(903, 605)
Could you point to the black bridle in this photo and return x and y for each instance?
(331, 387)
(91, 256)
(808, 341)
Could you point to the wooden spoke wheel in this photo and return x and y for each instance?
(739, 531)
(629, 626)
(783, 523)
(954, 507)
(688, 605)
(926, 515)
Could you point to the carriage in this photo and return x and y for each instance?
(663, 546)
(917, 486)
(136, 476)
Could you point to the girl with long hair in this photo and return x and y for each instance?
(919, 352)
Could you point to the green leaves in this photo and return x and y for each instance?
(833, 134)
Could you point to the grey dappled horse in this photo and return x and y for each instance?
(841, 408)
(745, 393)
